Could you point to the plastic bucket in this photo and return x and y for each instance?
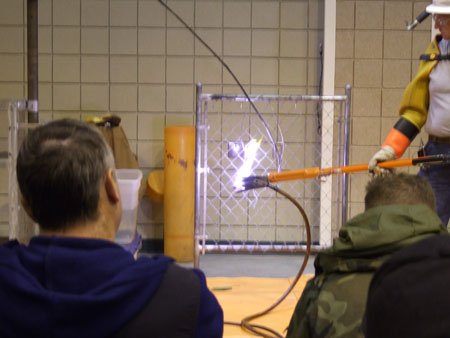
(129, 182)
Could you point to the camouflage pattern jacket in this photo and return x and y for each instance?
(333, 302)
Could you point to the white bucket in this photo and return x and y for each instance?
(129, 182)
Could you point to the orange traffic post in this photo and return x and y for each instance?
(179, 192)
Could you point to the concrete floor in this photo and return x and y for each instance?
(253, 265)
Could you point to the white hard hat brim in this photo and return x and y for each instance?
(436, 9)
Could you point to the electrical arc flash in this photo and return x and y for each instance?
(245, 170)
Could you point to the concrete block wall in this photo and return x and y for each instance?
(378, 56)
(134, 59)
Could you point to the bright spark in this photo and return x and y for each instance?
(245, 170)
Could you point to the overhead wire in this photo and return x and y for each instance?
(272, 140)
(319, 104)
(245, 323)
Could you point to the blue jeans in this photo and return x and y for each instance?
(439, 177)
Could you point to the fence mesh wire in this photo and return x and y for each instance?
(292, 127)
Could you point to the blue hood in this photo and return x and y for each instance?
(71, 287)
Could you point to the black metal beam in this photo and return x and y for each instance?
(32, 61)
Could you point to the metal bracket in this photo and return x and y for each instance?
(33, 106)
(203, 170)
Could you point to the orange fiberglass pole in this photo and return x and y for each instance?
(255, 182)
(307, 173)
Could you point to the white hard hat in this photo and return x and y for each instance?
(439, 7)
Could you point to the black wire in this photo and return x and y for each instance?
(272, 140)
(319, 104)
(255, 328)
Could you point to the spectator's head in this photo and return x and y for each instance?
(65, 171)
(399, 189)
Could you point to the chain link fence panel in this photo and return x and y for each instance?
(293, 132)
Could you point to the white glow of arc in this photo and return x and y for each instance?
(245, 170)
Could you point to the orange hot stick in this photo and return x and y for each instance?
(301, 174)
(255, 182)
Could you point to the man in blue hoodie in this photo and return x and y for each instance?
(73, 280)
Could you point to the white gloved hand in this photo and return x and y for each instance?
(386, 153)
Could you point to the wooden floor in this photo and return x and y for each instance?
(243, 296)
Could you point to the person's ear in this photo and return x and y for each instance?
(26, 207)
(112, 186)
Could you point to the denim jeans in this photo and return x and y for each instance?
(439, 177)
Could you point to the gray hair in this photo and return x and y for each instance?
(60, 167)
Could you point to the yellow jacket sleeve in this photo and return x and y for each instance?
(413, 109)
(416, 97)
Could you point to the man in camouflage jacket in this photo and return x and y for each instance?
(400, 210)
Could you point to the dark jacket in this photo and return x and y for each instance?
(71, 287)
(333, 302)
(408, 295)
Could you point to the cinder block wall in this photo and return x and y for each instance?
(133, 59)
(378, 56)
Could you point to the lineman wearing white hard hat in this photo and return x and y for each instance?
(426, 103)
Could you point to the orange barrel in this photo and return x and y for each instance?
(179, 192)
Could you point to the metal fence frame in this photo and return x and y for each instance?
(21, 227)
(202, 167)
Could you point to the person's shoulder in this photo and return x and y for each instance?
(435, 246)
(10, 244)
(412, 283)
(331, 305)
(189, 278)
(11, 248)
(174, 273)
(185, 275)
(429, 253)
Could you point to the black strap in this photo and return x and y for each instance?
(434, 57)
(173, 310)
(407, 128)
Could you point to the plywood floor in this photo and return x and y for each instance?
(250, 295)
